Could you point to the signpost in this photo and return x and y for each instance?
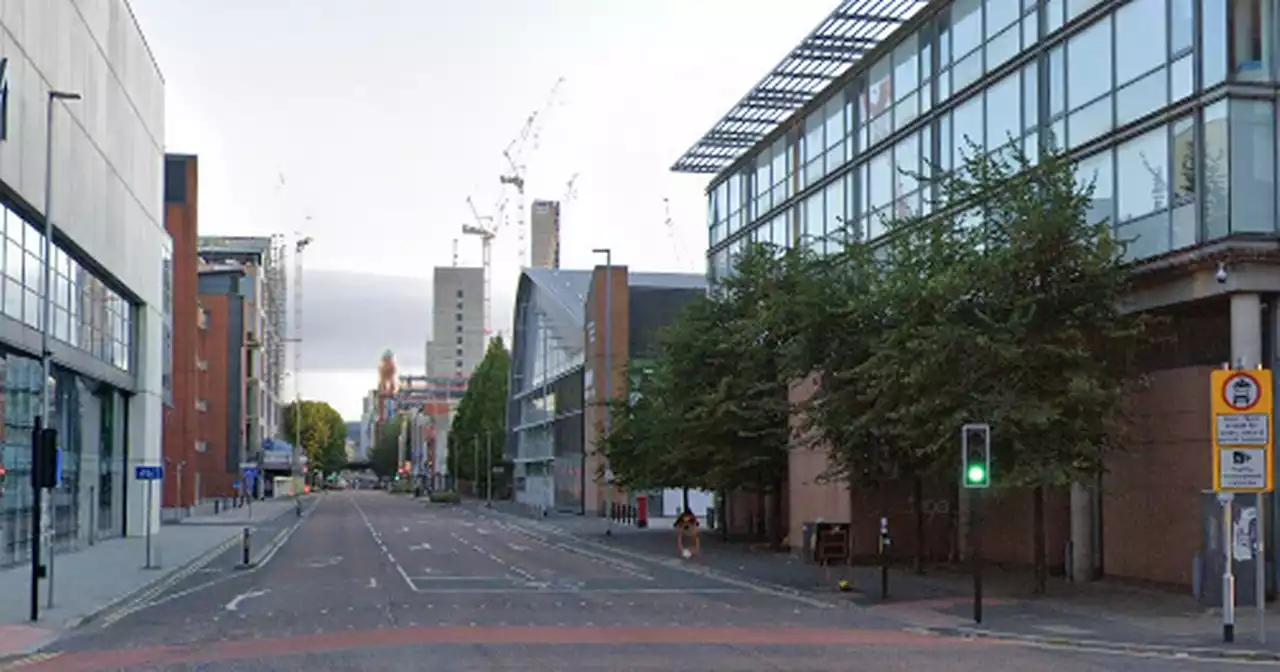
(147, 474)
(1241, 404)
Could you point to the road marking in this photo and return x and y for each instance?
(517, 548)
(234, 604)
(421, 547)
(510, 567)
(482, 531)
(373, 582)
(612, 562)
(374, 533)
(404, 529)
(27, 660)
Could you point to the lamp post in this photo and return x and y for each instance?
(608, 364)
(45, 362)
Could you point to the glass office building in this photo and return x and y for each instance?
(1168, 104)
(109, 276)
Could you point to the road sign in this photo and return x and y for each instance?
(148, 473)
(1241, 405)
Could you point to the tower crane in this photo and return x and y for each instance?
(671, 230)
(484, 228)
(517, 160)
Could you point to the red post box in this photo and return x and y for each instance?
(642, 511)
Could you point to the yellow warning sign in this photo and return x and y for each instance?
(1241, 405)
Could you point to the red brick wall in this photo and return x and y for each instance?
(593, 414)
(1151, 495)
(179, 432)
(214, 389)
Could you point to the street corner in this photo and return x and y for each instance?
(1109, 646)
(20, 641)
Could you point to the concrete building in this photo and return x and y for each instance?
(264, 289)
(1177, 131)
(458, 338)
(557, 366)
(544, 238)
(182, 448)
(111, 284)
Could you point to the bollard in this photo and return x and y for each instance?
(216, 506)
(245, 537)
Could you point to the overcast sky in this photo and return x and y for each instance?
(384, 115)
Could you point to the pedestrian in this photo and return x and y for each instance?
(687, 527)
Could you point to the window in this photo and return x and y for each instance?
(202, 405)
(459, 340)
(1216, 170)
(1182, 170)
(458, 317)
(459, 328)
(1097, 170)
(459, 294)
(1089, 64)
(1004, 123)
(459, 352)
(1135, 58)
(1249, 41)
(1142, 168)
(1252, 166)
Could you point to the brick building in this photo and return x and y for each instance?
(180, 417)
(221, 381)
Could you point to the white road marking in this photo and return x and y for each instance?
(234, 604)
(510, 567)
(404, 529)
(377, 538)
(482, 531)
(517, 548)
(373, 582)
(421, 547)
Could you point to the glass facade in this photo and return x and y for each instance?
(86, 313)
(1174, 162)
(89, 503)
(546, 404)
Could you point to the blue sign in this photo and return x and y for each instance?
(148, 473)
(58, 479)
(235, 485)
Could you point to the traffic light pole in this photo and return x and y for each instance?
(36, 487)
(975, 549)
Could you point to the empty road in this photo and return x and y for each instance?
(380, 582)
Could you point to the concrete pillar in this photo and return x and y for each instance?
(1246, 330)
(1082, 520)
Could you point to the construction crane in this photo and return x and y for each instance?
(486, 229)
(517, 161)
(671, 231)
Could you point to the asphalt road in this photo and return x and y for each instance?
(373, 581)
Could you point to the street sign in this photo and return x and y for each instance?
(1241, 404)
(148, 473)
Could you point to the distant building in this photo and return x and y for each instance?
(263, 285)
(557, 364)
(221, 380)
(186, 457)
(458, 338)
(544, 239)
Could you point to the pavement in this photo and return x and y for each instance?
(370, 580)
(113, 572)
(1101, 615)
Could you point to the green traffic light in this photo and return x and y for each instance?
(977, 474)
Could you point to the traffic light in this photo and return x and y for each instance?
(45, 446)
(975, 456)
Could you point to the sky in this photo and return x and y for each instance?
(367, 125)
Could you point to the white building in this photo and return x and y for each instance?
(112, 285)
(458, 336)
(544, 238)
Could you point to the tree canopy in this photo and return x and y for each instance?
(324, 435)
(480, 420)
(384, 457)
(996, 299)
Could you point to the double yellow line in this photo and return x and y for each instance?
(25, 661)
(141, 599)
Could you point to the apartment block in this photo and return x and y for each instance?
(223, 381)
(457, 322)
(180, 418)
(544, 234)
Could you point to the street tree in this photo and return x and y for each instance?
(384, 458)
(324, 435)
(480, 421)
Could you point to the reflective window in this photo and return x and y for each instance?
(1213, 16)
(1142, 171)
(1089, 64)
(1004, 122)
(1098, 171)
(1216, 171)
(1252, 166)
(1251, 38)
(1137, 57)
(1185, 184)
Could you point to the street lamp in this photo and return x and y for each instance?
(608, 362)
(45, 363)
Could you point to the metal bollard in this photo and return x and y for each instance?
(245, 536)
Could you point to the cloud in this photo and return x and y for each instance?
(350, 318)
